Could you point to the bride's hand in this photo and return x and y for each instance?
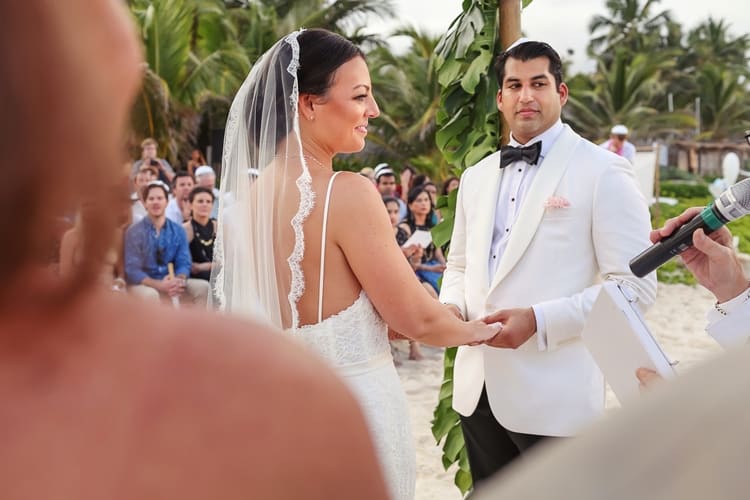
(482, 332)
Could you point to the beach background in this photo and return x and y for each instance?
(677, 320)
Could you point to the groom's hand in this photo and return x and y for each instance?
(518, 326)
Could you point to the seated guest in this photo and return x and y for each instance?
(421, 216)
(143, 177)
(154, 243)
(413, 254)
(385, 181)
(201, 232)
(149, 148)
(450, 185)
(196, 160)
(206, 177)
(178, 208)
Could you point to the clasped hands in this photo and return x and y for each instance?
(518, 325)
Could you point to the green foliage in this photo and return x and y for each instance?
(467, 118)
(680, 190)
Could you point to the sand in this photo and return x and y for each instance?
(677, 319)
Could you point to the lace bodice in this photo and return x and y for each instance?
(349, 338)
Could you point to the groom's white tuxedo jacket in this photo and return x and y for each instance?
(554, 261)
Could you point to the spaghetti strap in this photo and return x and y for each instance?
(323, 246)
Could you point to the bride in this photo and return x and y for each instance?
(311, 251)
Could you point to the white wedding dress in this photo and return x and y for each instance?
(355, 343)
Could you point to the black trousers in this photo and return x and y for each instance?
(491, 446)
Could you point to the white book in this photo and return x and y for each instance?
(620, 342)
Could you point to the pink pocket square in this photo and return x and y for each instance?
(556, 202)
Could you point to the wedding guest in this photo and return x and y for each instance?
(151, 246)
(149, 148)
(413, 254)
(143, 177)
(420, 217)
(206, 177)
(431, 189)
(385, 181)
(419, 179)
(369, 173)
(450, 185)
(618, 143)
(538, 225)
(196, 160)
(201, 232)
(406, 181)
(178, 207)
(108, 397)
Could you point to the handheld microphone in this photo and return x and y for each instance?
(730, 205)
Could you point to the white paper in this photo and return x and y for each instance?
(620, 342)
(421, 238)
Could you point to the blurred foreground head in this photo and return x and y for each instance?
(70, 72)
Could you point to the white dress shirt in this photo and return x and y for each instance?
(729, 322)
(514, 185)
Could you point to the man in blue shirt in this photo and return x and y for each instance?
(154, 243)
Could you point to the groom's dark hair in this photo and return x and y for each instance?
(527, 51)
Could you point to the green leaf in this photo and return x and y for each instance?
(454, 443)
(446, 389)
(451, 130)
(463, 481)
(441, 234)
(477, 68)
(449, 72)
(443, 424)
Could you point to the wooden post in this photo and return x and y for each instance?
(657, 186)
(509, 31)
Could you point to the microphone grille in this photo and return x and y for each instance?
(741, 193)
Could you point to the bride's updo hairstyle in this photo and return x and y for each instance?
(321, 53)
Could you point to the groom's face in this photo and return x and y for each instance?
(529, 99)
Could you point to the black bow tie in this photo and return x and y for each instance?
(529, 154)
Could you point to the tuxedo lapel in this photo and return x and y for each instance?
(551, 171)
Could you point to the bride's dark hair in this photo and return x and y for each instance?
(321, 53)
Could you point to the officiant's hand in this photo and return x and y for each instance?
(518, 326)
(712, 259)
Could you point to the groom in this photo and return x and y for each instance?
(538, 225)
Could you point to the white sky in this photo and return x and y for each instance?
(564, 23)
